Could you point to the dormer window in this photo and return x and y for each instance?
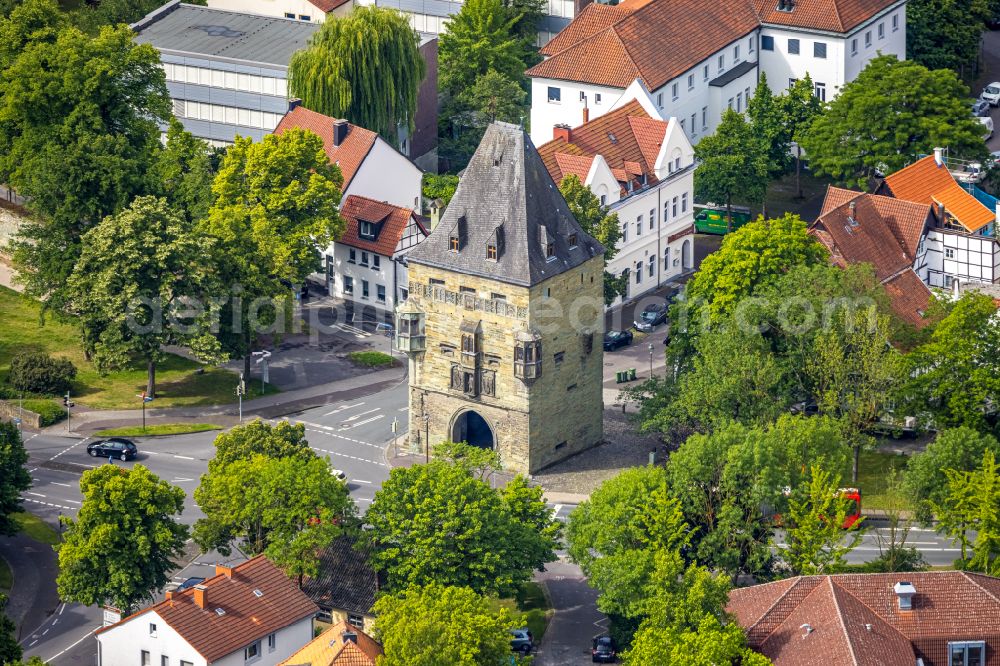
(550, 250)
(454, 243)
(366, 229)
(571, 240)
(491, 252)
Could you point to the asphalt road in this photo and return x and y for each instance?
(351, 434)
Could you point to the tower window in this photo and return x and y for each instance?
(528, 359)
(491, 252)
(454, 244)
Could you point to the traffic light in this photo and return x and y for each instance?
(67, 402)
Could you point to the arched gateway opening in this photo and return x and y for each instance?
(473, 429)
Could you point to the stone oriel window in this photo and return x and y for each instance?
(528, 359)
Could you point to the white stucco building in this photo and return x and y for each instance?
(380, 196)
(641, 166)
(313, 11)
(368, 264)
(248, 614)
(697, 59)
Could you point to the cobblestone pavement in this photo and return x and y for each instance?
(623, 447)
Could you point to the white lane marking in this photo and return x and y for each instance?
(342, 408)
(62, 608)
(361, 499)
(33, 642)
(556, 509)
(73, 501)
(315, 428)
(53, 658)
(68, 448)
(56, 483)
(404, 409)
(180, 480)
(152, 453)
(57, 506)
(183, 457)
(28, 492)
(55, 622)
(344, 455)
(360, 414)
(348, 426)
(360, 481)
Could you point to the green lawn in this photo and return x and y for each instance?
(178, 380)
(873, 468)
(532, 604)
(158, 429)
(37, 529)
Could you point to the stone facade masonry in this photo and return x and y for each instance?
(535, 423)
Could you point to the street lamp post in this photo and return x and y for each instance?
(650, 360)
(240, 390)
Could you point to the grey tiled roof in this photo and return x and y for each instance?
(346, 581)
(507, 198)
(223, 34)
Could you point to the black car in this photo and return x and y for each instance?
(651, 317)
(116, 447)
(603, 650)
(615, 339)
(522, 641)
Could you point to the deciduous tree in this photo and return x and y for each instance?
(274, 203)
(439, 624)
(364, 67)
(78, 136)
(733, 164)
(960, 449)
(799, 107)
(439, 523)
(954, 379)
(767, 124)
(14, 477)
(946, 34)
(971, 502)
(273, 495)
(893, 111)
(597, 221)
(482, 36)
(817, 541)
(10, 650)
(184, 172)
(142, 282)
(122, 546)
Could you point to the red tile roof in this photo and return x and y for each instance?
(885, 233)
(909, 297)
(656, 41)
(627, 138)
(926, 182)
(833, 15)
(348, 155)
(659, 40)
(390, 223)
(855, 619)
(330, 649)
(246, 617)
(327, 6)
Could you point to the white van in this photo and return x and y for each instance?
(988, 124)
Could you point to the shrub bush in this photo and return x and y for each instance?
(373, 359)
(36, 372)
(50, 411)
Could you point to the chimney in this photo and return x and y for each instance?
(222, 569)
(169, 595)
(294, 103)
(904, 594)
(562, 132)
(938, 159)
(349, 636)
(340, 129)
(200, 596)
(586, 115)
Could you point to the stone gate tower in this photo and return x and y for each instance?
(504, 322)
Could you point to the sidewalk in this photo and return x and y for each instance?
(269, 406)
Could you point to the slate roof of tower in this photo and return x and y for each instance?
(506, 185)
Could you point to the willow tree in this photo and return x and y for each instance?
(364, 67)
